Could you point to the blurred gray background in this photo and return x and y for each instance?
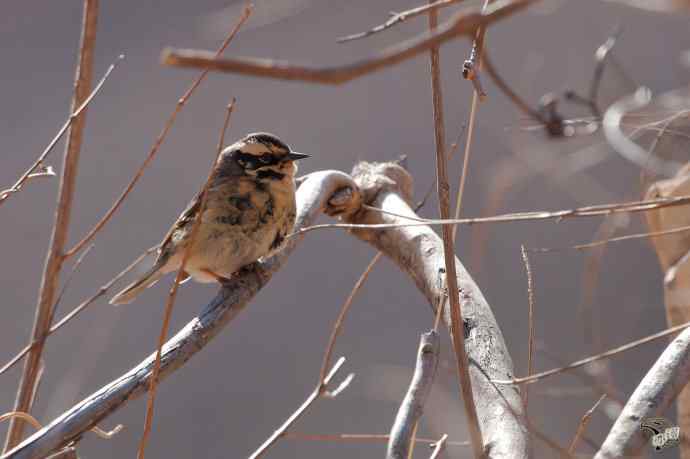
(231, 396)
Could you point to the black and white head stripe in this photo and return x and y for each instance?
(269, 140)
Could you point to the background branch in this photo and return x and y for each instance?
(462, 24)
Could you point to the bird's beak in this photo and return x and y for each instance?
(294, 156)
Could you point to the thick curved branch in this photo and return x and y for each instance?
(418, 251)
(656, 392)
(312, 198)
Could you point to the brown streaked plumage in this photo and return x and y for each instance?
(250, 208)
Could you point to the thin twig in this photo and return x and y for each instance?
(627, 237)
(412, 406)
(530, 319)
(580, 212)
(337, 326)
(316, 394)
(55, 258)
(362, 437)
(71, 315)
(439, 447)
(470, 71)
(463, 24)
(583, 424)
(70, 276)
(397, 18)
(443, 188)
(604, 355)
(181, 274)
(159, 141)
(31, 171)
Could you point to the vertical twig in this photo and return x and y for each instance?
(456, 328)
(51, 271)
(173, 290)
(471, 72)
(530, 319)
(411, 408)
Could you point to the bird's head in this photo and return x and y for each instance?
(261, 155)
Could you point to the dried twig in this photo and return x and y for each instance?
(397, 18)
(655, 393)
(530, 320)
(463, 24)
(412, 406)
(588, 211)
(604, 355)
(583, 424)
(312, 197)
(181, 274)
(35, 169)
(337, 326)
(72, 314)
(298, 413)
(363, 438)
(159, 141)
(55, 258)
(443, 190)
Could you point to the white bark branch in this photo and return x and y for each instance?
(312, 198)
(655, 393)
(418, 251)
(412, 406)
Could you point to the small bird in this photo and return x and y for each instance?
(250, 208)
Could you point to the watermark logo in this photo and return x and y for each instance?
(662, 433)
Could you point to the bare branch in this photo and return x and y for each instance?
(337, 326)
(35, 169)
(586, 361)
(655, 393)
(530, 320)
(312, 198)
(580, 212)
(159, 141)
(582, 426)
(54, 259)
(412, 406)
(298, 413)
(397, 18)
(463, 24)
(443, 191)
(418, 252)
(72, 314)
(363, 438)
(439, 447)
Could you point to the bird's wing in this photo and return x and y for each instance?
(181, 225)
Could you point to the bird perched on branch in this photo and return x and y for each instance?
(250, 208)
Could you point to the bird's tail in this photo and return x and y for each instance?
(135, 288)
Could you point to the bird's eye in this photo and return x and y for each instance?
(242, 163)
(265, 158)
